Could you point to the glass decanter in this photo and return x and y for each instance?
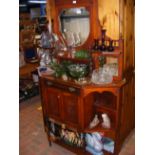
(110, 47)
(103, 46)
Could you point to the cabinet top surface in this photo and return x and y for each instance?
(83, 85)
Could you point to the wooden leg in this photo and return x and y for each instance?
(49, 141)
(117, 149)
(48, 129)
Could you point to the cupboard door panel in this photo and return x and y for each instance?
(70, 107)
(54, 103)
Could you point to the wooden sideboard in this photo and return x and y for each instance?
(74, 105)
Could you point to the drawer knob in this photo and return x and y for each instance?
(71, 89)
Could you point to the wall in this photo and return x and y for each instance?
(108, 11)
(127, 32)
(127, 28)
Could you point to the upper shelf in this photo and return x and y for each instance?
(115, 53)
(76, 60)
(107, 132)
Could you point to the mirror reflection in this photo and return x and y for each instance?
(75, 25)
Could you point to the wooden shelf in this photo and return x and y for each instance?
(76, 60)
(115, 53)
(105, 108)
(90, 86)
(107, 153)
(110, 133)
(78, 151)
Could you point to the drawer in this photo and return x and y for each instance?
(70, 89)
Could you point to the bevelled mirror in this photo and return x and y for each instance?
(74, 24)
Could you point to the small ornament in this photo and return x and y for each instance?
(106, 121)
(64, 77)
(94, 122)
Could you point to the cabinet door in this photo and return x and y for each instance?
(70, 109)
(54, 103)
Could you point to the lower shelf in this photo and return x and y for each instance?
(77, 141)
(78, 151)
(106, 132)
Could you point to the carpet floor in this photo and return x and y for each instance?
(33, 139)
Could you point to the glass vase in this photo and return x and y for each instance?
(110, 47)
(103, 46)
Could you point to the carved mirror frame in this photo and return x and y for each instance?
(91, 6)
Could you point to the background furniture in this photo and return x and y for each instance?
(27, 86)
